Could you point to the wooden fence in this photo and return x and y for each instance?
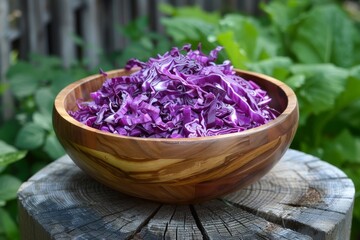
(48, 26)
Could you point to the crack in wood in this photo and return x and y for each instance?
(223, 221)
(282, 221)
(312, 207)
(198, 223)
(105, 216)
(166, 228)
(167, 224)
(144, 223)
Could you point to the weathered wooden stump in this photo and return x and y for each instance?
(302, 197)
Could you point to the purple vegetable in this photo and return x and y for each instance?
(177, 96)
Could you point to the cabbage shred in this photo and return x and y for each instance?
(181, 94)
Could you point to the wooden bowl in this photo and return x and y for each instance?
(185, 170)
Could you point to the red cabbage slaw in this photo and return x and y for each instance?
(177, 95)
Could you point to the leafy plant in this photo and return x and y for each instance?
(35, 84)
(142, 43)
(311, 46)
(8, 189)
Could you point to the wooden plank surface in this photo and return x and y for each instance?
(302, 197)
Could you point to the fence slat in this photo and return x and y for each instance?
(7, 104)
(120, 15)
(155, 17)
(142, 8)
(89, 27)
(97, 22)
(64, 30)
(4, 43)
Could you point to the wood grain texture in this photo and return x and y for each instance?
(183, 170)
(302, 197)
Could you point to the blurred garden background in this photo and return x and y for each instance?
(311, 45)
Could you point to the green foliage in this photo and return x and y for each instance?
(8, 228)
(142, 43)
(334, 33)
(193, 12)
(311, 46)
(35, 84)
(29, 134)
(8, 189)
(318, 94)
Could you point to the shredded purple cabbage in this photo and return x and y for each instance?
(177, 96)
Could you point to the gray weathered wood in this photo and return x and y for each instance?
(120, 16)
(64, 30)
(4, 41)
(89, 26)
(6, 98)
(302, 197)
(37, 17)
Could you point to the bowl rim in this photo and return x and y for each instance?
(292, 105)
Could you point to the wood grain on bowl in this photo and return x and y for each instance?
(176, 170)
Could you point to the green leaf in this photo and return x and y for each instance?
(286, 13)
(8, 226)
(6, 148)
(343, 148)
(23, 79)
(277, 67)
(167, 9)
(46, 62)
(349, 116)
(20, 67)
(236, 55)
(8, 130)
(295, 81)
(135, 29)
(44, 99)
(190, 12)
(134, 50)
(43, 120)
(245, 33)
(323, 85)
(7, 158)
(253, 39)
(266, 48)
(23, 85)
(352, 92)
(8, 187)
(8, 155)
(53, 147)
(61, 79)
(325, 36)
(30, 136)
(195, 29)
